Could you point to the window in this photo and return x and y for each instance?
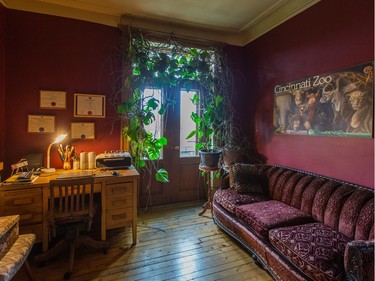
(187, 146)
(156, 126)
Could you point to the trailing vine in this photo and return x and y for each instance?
(170, 66)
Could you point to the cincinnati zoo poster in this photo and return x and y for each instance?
(332, 104)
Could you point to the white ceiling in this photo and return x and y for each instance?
(236, 22)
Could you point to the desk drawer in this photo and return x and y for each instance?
(15, 200)
(27, 215)
(119, 217)
(120, 202)
(118, 189)
(36, 229)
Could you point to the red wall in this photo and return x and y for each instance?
(330, 36)
(2, 81)
(53, 53)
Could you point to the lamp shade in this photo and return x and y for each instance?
(49, 169)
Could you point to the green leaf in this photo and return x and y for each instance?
(195, 117)
(199, 146)
(195, 99)
(121, 108)
(142, 163)
(194, 52)
(163, 109)
(136, 71)
(153, 154)
(192, 133)
(153, 103)
(162, 175)
(163, 140)
(218, 100)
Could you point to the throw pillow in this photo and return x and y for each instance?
(246, 179)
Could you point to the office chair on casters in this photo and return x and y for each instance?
(71, 205)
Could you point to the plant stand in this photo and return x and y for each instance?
(207, 178)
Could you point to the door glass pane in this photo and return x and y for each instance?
(156, 126)
(187, 147)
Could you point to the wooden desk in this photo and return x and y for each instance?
(30, 201)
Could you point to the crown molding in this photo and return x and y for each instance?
(63, 11)
(274, 16)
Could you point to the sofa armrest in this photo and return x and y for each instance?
(359, 260)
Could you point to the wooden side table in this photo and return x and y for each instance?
(207, 178)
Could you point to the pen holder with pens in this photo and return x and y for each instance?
(67, 155)
(67, 165)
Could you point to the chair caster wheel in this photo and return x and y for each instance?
(67, 275)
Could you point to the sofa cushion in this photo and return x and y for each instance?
(230, 199)
(245, 178)
(266, 215)
(352, 209)
(317, 249)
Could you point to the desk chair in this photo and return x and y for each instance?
(71, 205)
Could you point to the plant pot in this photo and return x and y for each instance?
(210, 158)
(232, 156)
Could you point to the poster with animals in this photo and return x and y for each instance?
(337, 104)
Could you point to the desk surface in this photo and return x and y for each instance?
(44, 178)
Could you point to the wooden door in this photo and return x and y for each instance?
(179, 159)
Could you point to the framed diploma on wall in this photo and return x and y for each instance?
(82, 130)
(52, 100)
(41, 124)
(89, 105)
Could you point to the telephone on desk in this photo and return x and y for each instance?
(25, 176)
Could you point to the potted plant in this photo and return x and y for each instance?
(208, 128)
(235, 145)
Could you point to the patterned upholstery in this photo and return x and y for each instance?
(307, 219)
(14, 248)
(315, 248)
(245, 178)
(230, 199)
(8, 233)
(263, 216)
(16, 256)
(342, 206)
(359, 260)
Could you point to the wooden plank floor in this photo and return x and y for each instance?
(174, 243)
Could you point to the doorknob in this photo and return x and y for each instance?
(177, 147)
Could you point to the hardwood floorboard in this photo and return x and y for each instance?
(174, 243)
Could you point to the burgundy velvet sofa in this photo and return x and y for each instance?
(299, 225)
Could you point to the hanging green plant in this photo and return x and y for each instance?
(166, 66)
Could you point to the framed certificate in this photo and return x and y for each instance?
(89, 105)
(41, 124)
(52, 100)
(83, 130)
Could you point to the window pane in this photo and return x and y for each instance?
(155, 127)
(187, 147)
